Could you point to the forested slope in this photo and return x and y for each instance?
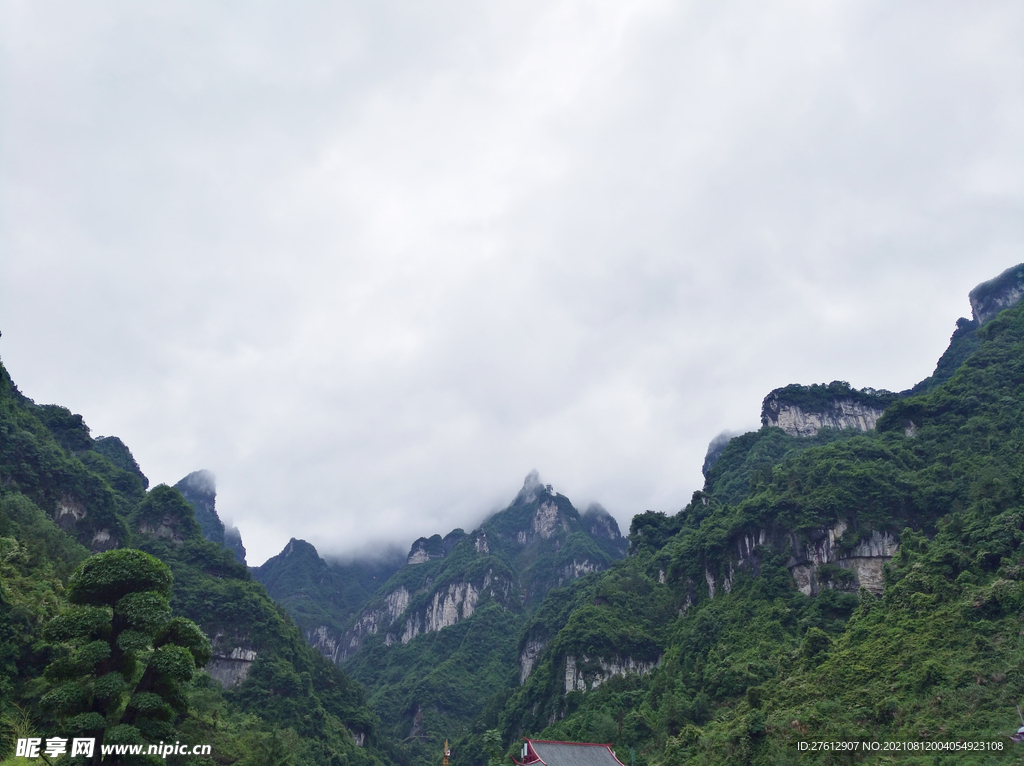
(852, 571)
(847, 586)
(435, 644)
(65, 496)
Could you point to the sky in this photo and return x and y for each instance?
(373, 262)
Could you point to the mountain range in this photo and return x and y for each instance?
(850, 572)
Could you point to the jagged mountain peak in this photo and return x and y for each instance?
(538, 542)
(426, 549)
(532, 489)
(297, 547)
(201, 482)
(715, 449)
(600, 523)
(199, 488)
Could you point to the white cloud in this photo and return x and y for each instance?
(371, 263)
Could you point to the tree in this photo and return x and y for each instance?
(123, 658)
(492, 746)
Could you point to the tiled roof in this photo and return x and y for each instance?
(574, 754)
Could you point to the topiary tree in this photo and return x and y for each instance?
(123, 658)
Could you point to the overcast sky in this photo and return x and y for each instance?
(372, 262)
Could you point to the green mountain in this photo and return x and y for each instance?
(851, 572)
(266, 694)
(436, 642)
(199, 488)
(323, 597)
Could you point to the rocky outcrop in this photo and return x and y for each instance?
(403, 615)
(546, 520)
(602, 526)
(199, 488)
(102, 540)
(587, 673)
(805, 410)
(528, 658)
(167, 528)
(864, 561)
(842, 413)
(817, 561)
(429, 548)
(369, 622)
(233, 542)
(480, 543)
(231, 669)
(324, 640)
(421, 552)
(995, 295)
(71, 516)
(575, 569)
(70, 510)
(231, 661)
(445, 609)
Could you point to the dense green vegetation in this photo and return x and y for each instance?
(443, 664)
(702, 646)
(316, 593)
(121, 660)
(748, 674)
(438, 683)
(84, 651)
(435, 686)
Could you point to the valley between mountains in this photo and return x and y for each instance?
(851, 571)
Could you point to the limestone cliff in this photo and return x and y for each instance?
(832, 557)
(232, 659)
(72, 516)
(995, 295)
(435, 547)
(424, 600)
(539, 542)
(323, 596)
(805, 410)
(586, 673)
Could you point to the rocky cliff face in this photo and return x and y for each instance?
(445, 608)
(436, 547)
(515, 558)
(232, 659)
(322, 597)
(805, 410)
(401, 615)
(369, 622)
(825, 558)
(1003, 292)
(841, 413)
(69, 514)
(528, 658)
(585, 673)
(199, 488)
